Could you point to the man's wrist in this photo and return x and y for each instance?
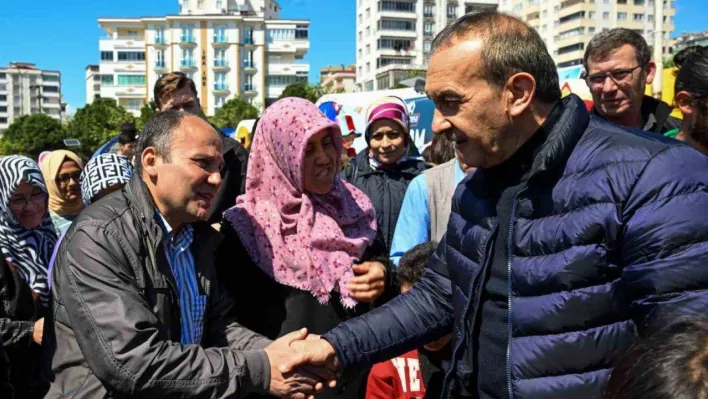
(258, 367)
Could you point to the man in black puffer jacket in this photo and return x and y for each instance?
(572, 236)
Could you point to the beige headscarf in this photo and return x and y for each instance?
(50, 168)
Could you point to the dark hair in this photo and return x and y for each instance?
(669, 364)
(693, 75)
(127, 133)
(412, 265)
(157, 133)
(442, 149)
(605, 42)
(510, 47)
(681, 57)
(168, 84)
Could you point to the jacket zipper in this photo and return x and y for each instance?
(455, 353)
(510, 237)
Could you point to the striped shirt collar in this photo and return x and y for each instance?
(183, 239)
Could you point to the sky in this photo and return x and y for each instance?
(63, 35)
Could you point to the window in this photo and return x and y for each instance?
(638, 2)
(159, 34)
(106, 80)
(639, 17)
(50, 78)
(3, 97)
(132, 34)
(187, 33)
(621, 1)
(451, 11)
(427, 45)
(368, 49)
(360, 53)
(368, 13)
(3, 109)
(219, 101)
(395, 44)
(605, 1)
(3, 120)
(284, 80)
(359, 18)
(571, 48)
(133, 104)
(621, 16)
(106, 56)
(650, 18)
(394, 24)
(200, 4)
(605, 15)
(360, 36)
(131, 56)
(591, 30)
(402, 6)
(428, 29)
(571, 33)
(131, 80)
(591, 15)
(3, 75)
(368, 67)
(187, 54)
(428, 10)
(572, 17)
(160, 59)
(50, 89)
(301, 32)
(220, 78)
(545, 13)
(368, 31)
(220, 4)
(361, 71)
(220, 34)
(385, 61)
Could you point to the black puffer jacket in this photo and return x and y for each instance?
(385, 188)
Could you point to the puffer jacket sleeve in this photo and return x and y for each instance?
(408, 321)
(665, 240)
(117, 332)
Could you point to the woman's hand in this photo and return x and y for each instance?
(38, 331)
(369, 282)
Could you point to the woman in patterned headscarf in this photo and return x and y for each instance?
(297, 245)
(27, 238)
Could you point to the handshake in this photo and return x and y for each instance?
(300, 365)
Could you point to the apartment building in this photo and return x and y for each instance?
(567, 26)
(93, 83)
(28, 90)
(339, 78)
(228, 47)
(690, 39)
(394, 37)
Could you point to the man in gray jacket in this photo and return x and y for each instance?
(137, 311)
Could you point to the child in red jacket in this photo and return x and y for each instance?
(418, 373)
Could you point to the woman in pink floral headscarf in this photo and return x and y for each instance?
(298, 244)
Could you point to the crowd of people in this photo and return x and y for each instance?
(537, 250)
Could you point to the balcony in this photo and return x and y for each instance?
(160, 41)
(132, 43)
(221, 64)
(221, 87)
(249, 66)
(160, 64)
(188, 64)
(220, 41)
(249, 89)
(188, 40)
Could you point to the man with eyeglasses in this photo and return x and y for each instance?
(618, 67)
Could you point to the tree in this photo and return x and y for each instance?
(233, 112)
(146, 112)
(303, 90)
(97, 123)
(31, 134)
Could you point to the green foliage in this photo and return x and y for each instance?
(669, 63)
(233, 112)
(97, 123)
(31, 134)
(146, 112)
(400, 86)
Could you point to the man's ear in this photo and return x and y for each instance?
(650, 69)
(149, 160)
(520, 89)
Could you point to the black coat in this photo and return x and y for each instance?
(273, 310)
(18, 312)
(385, 188)
(233, 178)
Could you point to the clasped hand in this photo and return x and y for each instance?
(300, 365)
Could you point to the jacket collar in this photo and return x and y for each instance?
(411, 166)
(654, 114)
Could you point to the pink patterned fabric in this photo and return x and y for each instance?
(302, 240)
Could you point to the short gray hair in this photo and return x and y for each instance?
(157, 134)
(510, 46)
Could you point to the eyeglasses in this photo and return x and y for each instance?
(597, 80)
(69, 176)
(18, 204)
